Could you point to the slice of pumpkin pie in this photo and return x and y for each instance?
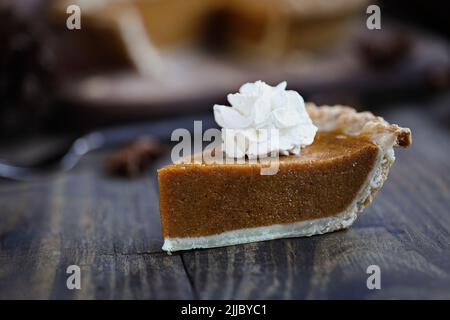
(332, 161)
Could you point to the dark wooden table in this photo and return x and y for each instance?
(110, 228)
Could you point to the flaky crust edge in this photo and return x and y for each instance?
(364, 124)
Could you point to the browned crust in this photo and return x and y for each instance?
(351, 122)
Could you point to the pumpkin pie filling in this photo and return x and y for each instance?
(206, 199)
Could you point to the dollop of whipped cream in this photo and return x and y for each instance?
(258, 111)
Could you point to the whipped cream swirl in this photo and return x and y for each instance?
(263, 119)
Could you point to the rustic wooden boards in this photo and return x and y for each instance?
(110, 228)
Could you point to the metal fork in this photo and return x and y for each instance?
(110, 137)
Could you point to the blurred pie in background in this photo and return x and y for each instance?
(145, 57)
(130, 32)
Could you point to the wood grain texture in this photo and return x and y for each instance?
(110, 228)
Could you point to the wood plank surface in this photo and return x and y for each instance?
(110, 228)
